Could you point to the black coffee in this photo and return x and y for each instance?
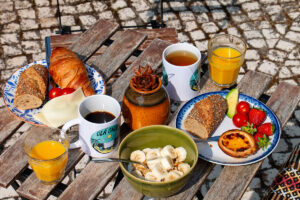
(99, 117)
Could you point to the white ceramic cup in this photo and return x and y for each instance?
(96, 139)
(181, 82)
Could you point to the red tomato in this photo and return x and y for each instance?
(240, 120)
(67, 91)
(55, 92)
(243, 107)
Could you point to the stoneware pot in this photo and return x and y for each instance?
(144, 108)
(153, 137)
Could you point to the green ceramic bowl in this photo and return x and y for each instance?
(153, 137)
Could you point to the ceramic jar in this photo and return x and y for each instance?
(144, 108)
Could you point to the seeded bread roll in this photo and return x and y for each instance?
(32, 87)
(206, 116)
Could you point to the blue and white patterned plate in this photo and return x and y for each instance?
(97, 82)
(210, 151)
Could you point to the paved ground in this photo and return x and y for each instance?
(270, 27)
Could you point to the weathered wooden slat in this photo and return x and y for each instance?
(124, 191)
(63, 40)
(151, 56)
(8, 124)
(166, 34)
(240, 176)
(32, 188)
(92, 39)
(203, 168)
(14, 160)
(117, 53)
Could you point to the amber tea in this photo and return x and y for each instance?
(181, 58)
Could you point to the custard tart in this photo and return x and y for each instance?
(237, 143)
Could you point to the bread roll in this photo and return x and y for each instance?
(32, 87)
(67, 71)
(206, 116)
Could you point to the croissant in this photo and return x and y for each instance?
(67, 71)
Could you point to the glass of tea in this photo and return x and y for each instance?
(226, 55)
(47, 154)
(181, 75)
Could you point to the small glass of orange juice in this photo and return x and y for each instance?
(47, 154)
(226, 55)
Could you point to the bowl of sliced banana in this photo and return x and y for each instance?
(164, 159)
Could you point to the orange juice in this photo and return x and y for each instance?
(50, 159)
(224, 65)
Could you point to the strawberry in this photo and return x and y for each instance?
(262, 140)
(266, 128)
(249, 128)
(257, 116)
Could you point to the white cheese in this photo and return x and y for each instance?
(60, 110)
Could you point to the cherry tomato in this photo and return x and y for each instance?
(243, 107)
(55, 92)
(240, 120)
(67, 91)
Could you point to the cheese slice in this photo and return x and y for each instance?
(60, 110)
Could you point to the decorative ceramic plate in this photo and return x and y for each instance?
(97, 82)
(210, 151)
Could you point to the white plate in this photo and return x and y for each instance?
(210, 151)
(97, 83)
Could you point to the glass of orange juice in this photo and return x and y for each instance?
(47, 154)
(226, 55)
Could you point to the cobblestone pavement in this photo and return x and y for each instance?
(270, 27)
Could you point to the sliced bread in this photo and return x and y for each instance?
(32, 87)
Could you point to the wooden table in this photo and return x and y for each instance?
(109, 50)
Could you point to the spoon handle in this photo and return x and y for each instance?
(102, 160)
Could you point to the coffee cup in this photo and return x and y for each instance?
(181, 75)
(99, 122)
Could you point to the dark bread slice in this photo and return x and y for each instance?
(205, 116)
(237, 143)
(31, 88)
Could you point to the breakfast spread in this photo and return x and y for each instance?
(67, 70)
(31, 88)
(163, 164)
(237, 143)
(206, 116)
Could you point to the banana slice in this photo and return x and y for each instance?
(151, 177)
(159, 172)
(151, 163)
(167, 163)
(146, 150)
(181, 154)
(153, 154)
(138, 156)
(169, 151)
(173, 175)
(184, 167)
(138, 173)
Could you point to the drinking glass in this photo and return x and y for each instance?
(47, 154)
(226, 55)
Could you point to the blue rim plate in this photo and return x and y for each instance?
(9, 89)
(210, 151)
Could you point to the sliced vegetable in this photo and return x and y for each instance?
(232, 101)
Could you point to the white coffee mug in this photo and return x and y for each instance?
(96, 139)
(181, 82)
